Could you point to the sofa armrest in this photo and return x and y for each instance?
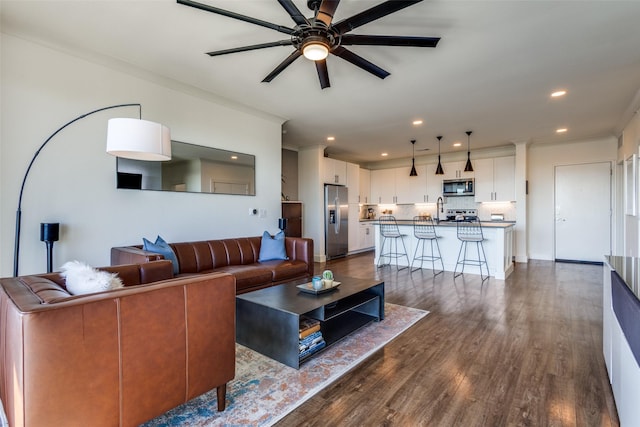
(300, 249)
(132, 255)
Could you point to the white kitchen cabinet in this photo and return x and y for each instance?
(434, 184)
(383, 186)
(484, 180)
(504, 178)
(455, 170)
(396, 186)
(334, 171)
(353, 235)
(495, 179)
(365, 186)
(411, 189)
(353, 182)
(367, 238)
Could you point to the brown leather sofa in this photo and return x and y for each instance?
(238, 257)
(114, 358)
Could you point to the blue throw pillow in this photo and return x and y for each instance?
(163, 248)
(272, 247)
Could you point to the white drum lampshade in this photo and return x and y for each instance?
(138, 139)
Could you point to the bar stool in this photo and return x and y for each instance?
(471, 232)
(424, 230)
(389, 231)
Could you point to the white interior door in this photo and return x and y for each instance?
(583, 212)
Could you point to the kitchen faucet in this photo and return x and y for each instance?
(439, 208)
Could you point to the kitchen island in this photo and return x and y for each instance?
(498, 246)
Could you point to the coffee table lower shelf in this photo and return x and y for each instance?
(268, 321)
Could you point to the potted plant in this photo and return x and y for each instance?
(327, 278)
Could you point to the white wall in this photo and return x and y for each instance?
(542, 160)
(73, 179)
(311, 192)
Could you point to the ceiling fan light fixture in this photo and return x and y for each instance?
(315, 49)
(468, 167)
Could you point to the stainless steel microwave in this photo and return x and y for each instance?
(458, 187)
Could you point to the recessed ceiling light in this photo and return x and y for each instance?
(561, 130)
(234, 157)
(331, 138)
(384, 154)
(558, 93)
(457, 144)
(417, 122)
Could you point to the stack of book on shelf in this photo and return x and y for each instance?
(311, 339)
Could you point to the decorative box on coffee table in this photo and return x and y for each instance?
(268, 320)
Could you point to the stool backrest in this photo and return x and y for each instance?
(470, 230)
(423, 228)
(388, 226)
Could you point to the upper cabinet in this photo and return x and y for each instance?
(396, 186)
(365, 186)
(411, 189)
(334, 171)
(383, 186)
(455, 170)
(495, 179)
(353, 182)
(434, 184)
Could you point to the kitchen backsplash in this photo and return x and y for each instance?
(485, 210)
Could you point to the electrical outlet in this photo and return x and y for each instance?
(263, 213)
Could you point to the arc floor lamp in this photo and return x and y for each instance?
(126, 137)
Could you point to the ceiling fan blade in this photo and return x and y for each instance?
(356, 39)
(284, 64)
(238, 16)
(323, 73)
(294, 12)
(251, 47)
(376, 12)
(359, 61)
(327, 10)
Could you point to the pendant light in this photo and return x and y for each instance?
(439, 170)
(413, 159)
(468, 167)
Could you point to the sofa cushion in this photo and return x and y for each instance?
(46, 290)
(162, 247)
(272, 247)
(248, 276)
(287, 269)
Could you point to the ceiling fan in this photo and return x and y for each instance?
(317, 37)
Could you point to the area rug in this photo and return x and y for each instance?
(264, 391)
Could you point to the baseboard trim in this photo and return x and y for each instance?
(574, 261)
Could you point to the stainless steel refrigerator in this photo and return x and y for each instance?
(336, 216)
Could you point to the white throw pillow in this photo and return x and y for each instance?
(81, 278)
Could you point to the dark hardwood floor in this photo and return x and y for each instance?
(526, 351)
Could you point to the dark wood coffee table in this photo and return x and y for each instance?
(268, 320)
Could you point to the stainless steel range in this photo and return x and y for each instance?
(462, 214)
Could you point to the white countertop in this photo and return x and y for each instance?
(487, 224)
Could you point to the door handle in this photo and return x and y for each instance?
(336, 226)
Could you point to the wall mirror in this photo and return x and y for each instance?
(192, 168)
